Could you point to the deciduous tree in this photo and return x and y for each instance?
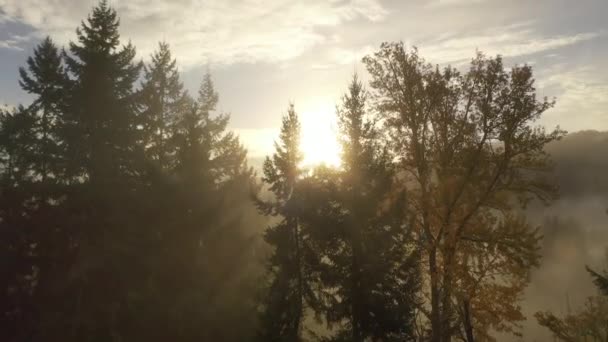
(469, 155)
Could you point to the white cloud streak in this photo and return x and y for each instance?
(10, 44)
(14, 42)
(219, 32)
(447, 3)
(582, 100)
(508, 41)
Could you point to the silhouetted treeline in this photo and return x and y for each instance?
(128, 211)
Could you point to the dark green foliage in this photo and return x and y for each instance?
(89, 290)
(162, 100)
(16, 150)
(17, 137)
(101, 116)
(46, 79)
(369, 267)
(124, 214)
(342, 248)
(289, 290)
(206, 153)
(208, 242)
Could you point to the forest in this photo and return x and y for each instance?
(129, 211)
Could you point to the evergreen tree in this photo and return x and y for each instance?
(369, 268)
(116, 256)
(16, 275)
(31, 145)
(205, 236)
(163, 101)
(383, 269)
(46, 79)
(201, 140)
(288, 291)
(17, 141)
(102, 104)
(90, 272)
(40, 193)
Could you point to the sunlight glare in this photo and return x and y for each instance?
(319, 141)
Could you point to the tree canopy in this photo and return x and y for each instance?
(129, 212)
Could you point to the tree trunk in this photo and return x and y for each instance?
(161, 134)
(446, 292)
(435, 314)
(468, 326)
(300, 293)
(356, 288)
(44, 146)
(357, 249)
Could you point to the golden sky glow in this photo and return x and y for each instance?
(319, 133)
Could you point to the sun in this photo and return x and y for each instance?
(319, 141)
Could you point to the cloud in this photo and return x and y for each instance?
(446, 3)
(15, 42)
(508, 41)
(343, 56)
(10, 44)
(219, 32)
(581, 97)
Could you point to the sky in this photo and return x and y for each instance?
(264, 54)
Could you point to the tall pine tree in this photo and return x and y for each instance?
(369, 267)
(203, 275)
(284, 307)
(46, 79)
(102, 101)
(163, 100)
(17, 142)
(207, 153)
(92, 269)
(116, 256)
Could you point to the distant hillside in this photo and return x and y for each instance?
(582, 163)
(575, 228)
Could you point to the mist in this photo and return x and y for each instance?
(574, 228)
